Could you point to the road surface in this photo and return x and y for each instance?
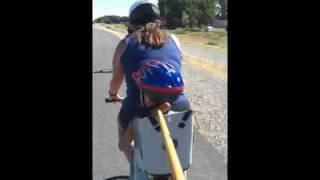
(107, 159)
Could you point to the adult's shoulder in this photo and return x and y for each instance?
(122, 45)
(176, 40)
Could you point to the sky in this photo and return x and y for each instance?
(112, 7)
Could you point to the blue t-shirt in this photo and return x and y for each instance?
(132, 59)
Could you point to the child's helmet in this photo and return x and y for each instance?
(159, 77)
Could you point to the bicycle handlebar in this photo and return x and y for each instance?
(112, 100)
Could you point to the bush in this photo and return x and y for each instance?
(212, 43)
(180, 31)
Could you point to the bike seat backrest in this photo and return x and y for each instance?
(149, 146)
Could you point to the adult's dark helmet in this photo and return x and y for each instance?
(143, 12)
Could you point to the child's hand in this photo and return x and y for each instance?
(165, 107)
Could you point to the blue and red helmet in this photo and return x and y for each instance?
(159, 77)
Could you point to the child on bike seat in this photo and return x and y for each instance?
(160, 85)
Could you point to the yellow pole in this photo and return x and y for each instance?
(174, 162)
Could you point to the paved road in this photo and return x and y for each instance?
(107, 160)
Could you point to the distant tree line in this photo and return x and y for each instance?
(181, 13)
(112, 19)
(192, 13)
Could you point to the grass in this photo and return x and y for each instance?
(216, 40)
(209, 66)
(121, 28)
(185, 30)
(212, 43)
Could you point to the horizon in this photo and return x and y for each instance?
(108, 8)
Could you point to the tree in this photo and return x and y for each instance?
(171, 12)
(185, 19)
(187, 12)
(222, 9)
(112, 19)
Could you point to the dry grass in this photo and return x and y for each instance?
(205, 64)
(216, 40)
(121, 28)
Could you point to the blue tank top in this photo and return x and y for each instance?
(132, 59)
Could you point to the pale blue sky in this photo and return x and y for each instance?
(112, 7)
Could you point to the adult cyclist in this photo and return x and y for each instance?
(145, 43)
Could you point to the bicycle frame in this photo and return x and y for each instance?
(174, 162)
